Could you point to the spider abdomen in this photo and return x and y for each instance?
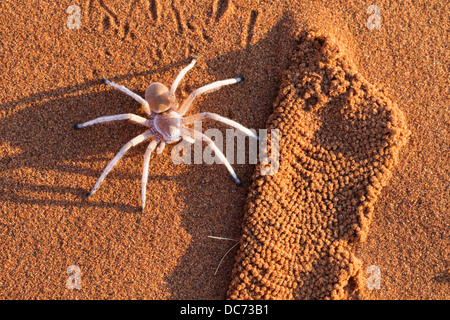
(168, 125)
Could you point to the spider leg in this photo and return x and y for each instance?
(180, 76)
(209, 87)
(127, 116)
(144, 180)
(160, 147)
(133, 142)
(187, 137)
(200, 136)
(207, 115)
(127, 91)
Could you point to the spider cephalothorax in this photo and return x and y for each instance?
(167, 123)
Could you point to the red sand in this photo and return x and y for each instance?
(51, 79)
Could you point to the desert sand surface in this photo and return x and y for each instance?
(51, 79)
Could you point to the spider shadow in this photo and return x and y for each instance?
(195, 275)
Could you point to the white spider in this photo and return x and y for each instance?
(167, 124)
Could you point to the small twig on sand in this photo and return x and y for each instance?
(222, 238)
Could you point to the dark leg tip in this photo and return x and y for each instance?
(104, 80)
(240, 79)
(142, 209)
(77, 126)
(195, 57)
(89, 194)
(239, 183)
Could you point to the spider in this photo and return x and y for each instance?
(167, 123)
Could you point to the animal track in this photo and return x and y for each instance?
(110, 13)
(220, 7)
(123, 27)
(154, 9)
(178, 18)
(122, 24)
(251, 26)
